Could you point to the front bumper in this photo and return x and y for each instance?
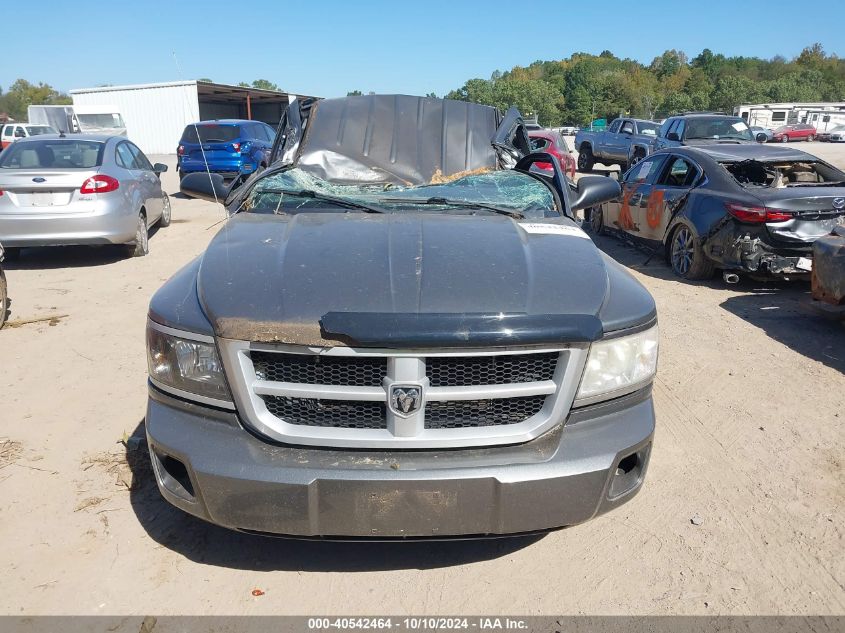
(207, 464)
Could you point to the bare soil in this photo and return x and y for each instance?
(741, 513)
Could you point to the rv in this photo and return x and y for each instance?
(774, 115)
(105, 119)
(824, 120)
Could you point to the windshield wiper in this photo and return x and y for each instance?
(313, 195)
(461, 204)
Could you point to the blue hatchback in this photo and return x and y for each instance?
(234, 148)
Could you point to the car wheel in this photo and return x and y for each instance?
(3, 298)
(784, 139)
(141, 245)
(596, 220)
(811, 138)
(166, 212)
(585, 159)
(687, 257)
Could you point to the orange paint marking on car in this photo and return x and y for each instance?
(654, 209)
(625, 219)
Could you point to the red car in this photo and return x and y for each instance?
(798, 132)
(553, 143)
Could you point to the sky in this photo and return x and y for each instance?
(327, 48)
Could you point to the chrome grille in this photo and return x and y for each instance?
(450, 371)
(461, 414)
(343, 397)
(319, 370)
(339, 414)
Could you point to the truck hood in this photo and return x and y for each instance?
(409, 280)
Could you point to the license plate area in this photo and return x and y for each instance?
(41, 199)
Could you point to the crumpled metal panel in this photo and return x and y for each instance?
(828, 278)
(397, 139)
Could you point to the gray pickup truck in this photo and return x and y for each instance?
(626, 142)
(392, 337)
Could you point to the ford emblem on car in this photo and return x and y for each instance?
(839, 203)
(40, 179)
(405, 400)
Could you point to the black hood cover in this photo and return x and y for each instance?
(402, 280)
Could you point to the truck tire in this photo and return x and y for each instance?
(585, 159)
(686, 257)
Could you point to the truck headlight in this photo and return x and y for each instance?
(618, 366)
(185, 364)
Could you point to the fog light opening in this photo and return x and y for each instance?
(629, 473)
(174, 477)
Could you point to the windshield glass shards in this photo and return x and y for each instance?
(780, 174)
(482, 191)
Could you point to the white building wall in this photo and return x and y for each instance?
(155, 115)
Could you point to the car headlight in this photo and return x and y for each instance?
(185, 364)
(618, 366)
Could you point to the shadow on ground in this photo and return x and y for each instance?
(49, 257)
(783, 311)
(780, 308)
(212, 545)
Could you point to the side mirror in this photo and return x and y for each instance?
(159, 168)
(761, 138)
(673, 136)
(593, 190)
(204, 186)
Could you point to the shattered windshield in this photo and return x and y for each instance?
(482, 191)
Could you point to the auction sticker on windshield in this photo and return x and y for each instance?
(552, 229)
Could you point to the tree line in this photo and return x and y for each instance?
(22, 94)
(584, 87)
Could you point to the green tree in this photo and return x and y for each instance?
(354, 93)
(22, 94)
(583, 86)
(264, 84)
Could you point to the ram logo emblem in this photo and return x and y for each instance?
(405, 400)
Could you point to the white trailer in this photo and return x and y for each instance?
(774, 115)
(92, 119)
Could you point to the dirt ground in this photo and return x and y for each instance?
(749, 399)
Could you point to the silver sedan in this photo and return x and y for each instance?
(58, 190)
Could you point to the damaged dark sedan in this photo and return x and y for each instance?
(746, 209)
(401, 331)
